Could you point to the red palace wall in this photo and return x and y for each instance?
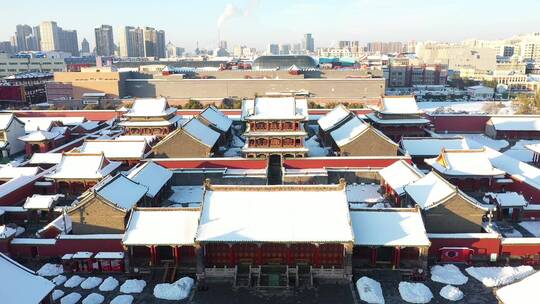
(341, 162)
(212, 163)
(520, 249)
(90, 115)
(531, 193)
(459, 123)
(19, 194)
(484, 246)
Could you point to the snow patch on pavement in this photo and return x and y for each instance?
(71, 298)
(448, 274)
(178, 290)
(122, 299)
(370, 290)
(109, 284)
(91, 282)
(50, 270)
(415, 292)
(74, 281)
(57, 294)
(59, 280)
(93, 298)
(498, 276)
(133, 286)
(451, 293)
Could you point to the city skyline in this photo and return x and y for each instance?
(234, 21)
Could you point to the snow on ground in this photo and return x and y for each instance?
(108, 284)
(57, 294)
(93, 298)
(122, 299)
(315, 148)
(477, 107)
(363, 193)
(91, 282)
(74, 281)
(178, 290)
(133, 286)
(448, 274)
(71, 298)
(59, 280)
(237, 142)
(531, 226)
(451, 293)
(519, 152)
(370, 290)
(522, 292)
(50, 270)
(498, 276)
(415, 292)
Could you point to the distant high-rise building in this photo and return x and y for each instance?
(104, 40)
(385, 47)
(131, 42)
(173, 51)
(49, 36)
(68, 41)
(308, 44)
(37, 37)
(21, 34)
(85, 46)
(154, 42)
(222, 44)
(6, 47)
(284, 49)
(296, 48)
(273, 49)
(54, 38)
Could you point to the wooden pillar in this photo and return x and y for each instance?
(259, 255)
(317, 256)
(178, 257)
(289, 255)
(232, 260)
(373, 256)
(152, 256)
(422, 257)
(397, 257)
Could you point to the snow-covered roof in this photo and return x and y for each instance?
(534, 147)
(398, 105)
(116, 149)
(122, 191)
(148, 138)
(20, 284)
(62, 223)
(400, 174)
(334, 117)
(202, 133)
(267, 108)
(10, 172)
(150, 107)
(161, 226)
(432, 146)
(45, 158)
(39, 135)
(109, 255)
(45, 123)
(186, 194)
(516, 123)
(6, 232)
(509, 199)
(517, 169)
(523, 292)
(38, 201)
(349, 131)
(397, 121)
(217, 118)
(83, 166)
(388, 228)
(152, 175)
(5, 120)
(249, 214)
(89, 125)
(430, 190)
(463, 163)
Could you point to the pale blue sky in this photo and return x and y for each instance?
(259, 22)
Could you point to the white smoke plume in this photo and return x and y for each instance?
(230, 11)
